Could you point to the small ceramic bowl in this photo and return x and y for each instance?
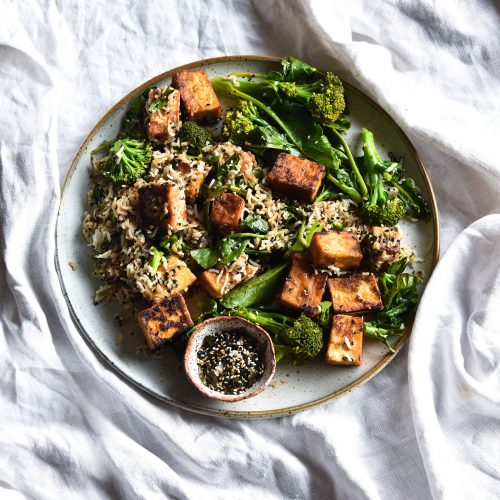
(223, 324)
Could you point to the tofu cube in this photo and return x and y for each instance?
(199, 102)
(296, 177)
(303, 287)
(163, 205)
(382, 246)
(355, 294)
(346, 341)
(163, 122)
(341, 250)
(175, 277)
(217, 282)
(162, 322)
(227, 209)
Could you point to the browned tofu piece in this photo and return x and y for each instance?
(295, 177)
(174, 277)
(227, 209)
(164, 121)
(341, 250)
(355, 294)
(194, 177)
(346, 341)
(382, 246)
(217, 282)
(163, 205)
(303, 287)
(199, 102)
(164, 321)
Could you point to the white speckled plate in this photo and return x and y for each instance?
(293, 388)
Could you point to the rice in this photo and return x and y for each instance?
(122, 249)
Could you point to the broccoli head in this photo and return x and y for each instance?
(387, 212)
(327, 105)
(301, 337)
(195, 135)
(305, 338)
(239, 121)
(324, 97)
(128, 160)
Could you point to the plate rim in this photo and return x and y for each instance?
(219, 412)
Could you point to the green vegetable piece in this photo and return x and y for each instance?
(195, 135)
(382, 332)
(205, 257)
(256, 223)
(132, 117)
(231, 248)
(304, 238)
(413, 199)
(128, 160)
(156, 259)
(301, 337)
(258, 290)
(244, 126)
(161, 101)
(97, 195)
(324, 318)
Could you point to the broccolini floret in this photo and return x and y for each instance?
(128, 160)
(381, 208)
(244, 126)
(195, 135)
(301, 338)
(324, 97)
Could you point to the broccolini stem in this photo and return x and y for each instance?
(228, 87)
(359, 177)
(246, 74)
(102, 146)
(351, 192)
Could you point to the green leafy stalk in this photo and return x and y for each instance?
(400, 297)
(359, 178)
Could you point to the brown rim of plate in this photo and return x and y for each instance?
(250, 414)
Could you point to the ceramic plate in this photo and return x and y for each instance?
(122, 346)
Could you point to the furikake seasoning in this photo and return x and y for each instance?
(229, 362)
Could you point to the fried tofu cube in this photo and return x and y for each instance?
(227, 209)
(174, 277)
(217, 282)
(164, 118)
(382, 246)
(303, 288)
(355, 294)
(163, 205)
(194, 176)
(346, 341)
(162, 322)
(341, 250)
(199, 102)
(296, 177)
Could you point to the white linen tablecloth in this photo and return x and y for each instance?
(427, 426)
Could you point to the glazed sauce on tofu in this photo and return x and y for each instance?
(229, 362)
